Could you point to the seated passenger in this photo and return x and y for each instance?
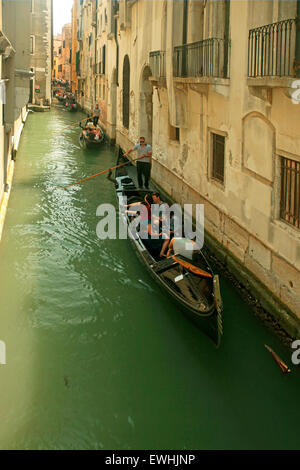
(164, 206)
(149, 231)
(154, 237)
(154, 242)
(170, 231)
(147, 202)
(97, 134)
(183, 247)
(89, 131)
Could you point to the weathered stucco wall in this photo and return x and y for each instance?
(40, 60)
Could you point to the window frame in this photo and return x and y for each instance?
(32, 44)
(174, 134)
(210, 176)
(283, 222)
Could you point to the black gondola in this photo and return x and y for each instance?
(71, 106)
(198, 296)
(87, 138)
(60, 97)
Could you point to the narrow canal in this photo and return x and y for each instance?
(97, 356)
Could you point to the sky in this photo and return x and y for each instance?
(61, 14)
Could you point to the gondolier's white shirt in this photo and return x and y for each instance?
(143, 150)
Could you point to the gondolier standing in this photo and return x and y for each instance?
(96, 113)
(144, 164)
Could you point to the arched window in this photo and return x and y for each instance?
(126, 91)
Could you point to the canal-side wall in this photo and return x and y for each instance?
(15, 70)
(5, 196)
(11, 157)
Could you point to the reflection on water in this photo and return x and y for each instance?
(97, 356)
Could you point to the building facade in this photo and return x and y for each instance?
(41, 51)
(214, 86)
(15, 88)
(62, 54)
(86, 53)
(75, 53)
(25, 66)
(66, 51)
(57, 73)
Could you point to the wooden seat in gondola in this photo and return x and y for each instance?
(163, 265)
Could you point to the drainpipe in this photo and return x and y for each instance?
(226, 38)
(95, 53)
(184, 37)
(185, 22)
(52, 35)
(297, 53)
(117, 54)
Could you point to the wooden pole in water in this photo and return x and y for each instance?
(284, 368)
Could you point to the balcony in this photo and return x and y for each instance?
(157, 62)
(272, 54)
(206, 58)
(203, 64)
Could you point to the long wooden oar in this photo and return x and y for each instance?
(283, 366)
(103, 172)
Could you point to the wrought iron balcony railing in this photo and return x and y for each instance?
(271, 50)
(157, 62)
(206, 58)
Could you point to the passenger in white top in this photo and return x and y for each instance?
(183, 247)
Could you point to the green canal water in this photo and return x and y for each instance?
(97, 355)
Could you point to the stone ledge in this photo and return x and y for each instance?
(271, 82)
(203, 80)
(158, 81)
